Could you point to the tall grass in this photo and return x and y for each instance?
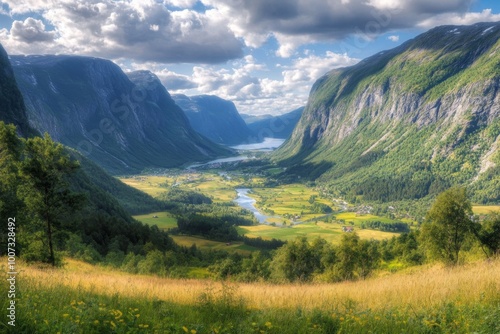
(87, 299)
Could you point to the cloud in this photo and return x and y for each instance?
(297, 22)
(394, 38)
(140, 30)
(31, 31)
(460, 19)
(257, 95)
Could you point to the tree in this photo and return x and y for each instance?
(295, 261)
(10, 153)
(44, 171)
(489, 235)
(449, 225)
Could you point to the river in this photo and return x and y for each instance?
(247, 202)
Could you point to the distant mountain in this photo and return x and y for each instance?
(249, 119)
(274, 126)
(123, 123)
(407, 122)
(215, 118)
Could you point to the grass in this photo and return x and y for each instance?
(328, 231)
(216, 186)
(82, 298)
(205, 244)
(164, 221)
(485, 209)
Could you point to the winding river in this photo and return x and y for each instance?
(248, 203)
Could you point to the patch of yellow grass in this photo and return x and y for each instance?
(418, 287)
(485, 209)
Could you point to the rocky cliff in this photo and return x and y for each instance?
(123, 124)
(424, 115)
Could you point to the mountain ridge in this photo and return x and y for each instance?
(90, 104)
(431, 101)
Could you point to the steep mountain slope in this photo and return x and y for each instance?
(275, 126)
(12, 109)
(215, 118)
(407, 122)
(122, 124)
(105, 193)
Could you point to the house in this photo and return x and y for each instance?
(348, 229)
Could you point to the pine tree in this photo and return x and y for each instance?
(45, 189)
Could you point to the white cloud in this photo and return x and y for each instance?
(460, 19)
(31, 31)
(140, 30)
(257, 95)
(394, 38)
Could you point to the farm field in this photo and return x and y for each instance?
(328, 231)
(205, 244)
(218, 187)
(164, 221)
(284, 200)
(96, 299)
(485, 209)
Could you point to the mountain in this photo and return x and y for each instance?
(91, 179)
(215, 118)
(407, 122)
(12, 109)
(274, 126)
(123, 123)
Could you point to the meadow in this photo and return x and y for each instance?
(82, 298)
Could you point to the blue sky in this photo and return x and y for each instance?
(264, 55)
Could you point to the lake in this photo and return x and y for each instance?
(269, 144)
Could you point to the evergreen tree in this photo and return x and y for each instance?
(45, 188)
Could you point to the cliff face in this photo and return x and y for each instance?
(215, 118)
(431, 102)
(12, 109)
(124, 124)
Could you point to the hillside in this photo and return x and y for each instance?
(407, 122)
(11, 101)
(275, 126)
(124, 125)
(215, 118)
(106, 211)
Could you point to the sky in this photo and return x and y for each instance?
(264, 55)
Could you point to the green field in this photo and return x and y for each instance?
(188, 241)
(328, 231)
(215, 186)
(164, 221)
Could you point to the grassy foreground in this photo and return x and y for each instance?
(82, 298)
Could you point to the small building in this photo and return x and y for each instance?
(348, 229)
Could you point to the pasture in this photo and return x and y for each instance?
(164, 220)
